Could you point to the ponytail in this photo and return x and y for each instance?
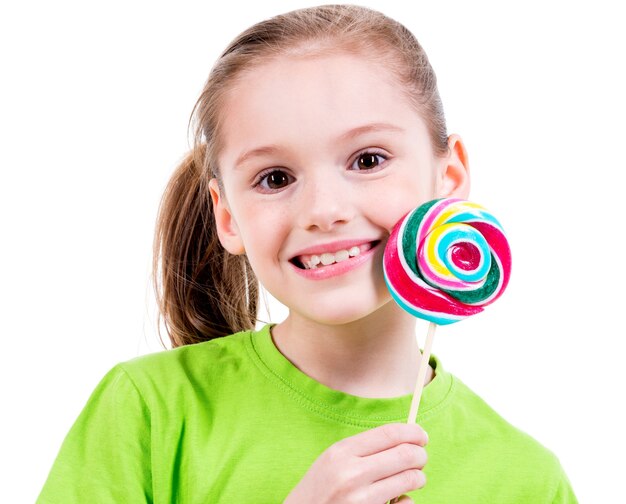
(204, 292)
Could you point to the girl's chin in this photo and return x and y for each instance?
(339, 312)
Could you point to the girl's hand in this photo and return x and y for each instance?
(371, 467)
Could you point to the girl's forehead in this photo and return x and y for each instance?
(308, 96)
(299, 75)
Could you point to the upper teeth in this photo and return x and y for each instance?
(312, 261)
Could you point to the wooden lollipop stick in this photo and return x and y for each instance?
(421, 375)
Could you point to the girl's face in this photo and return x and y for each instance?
(321, 157)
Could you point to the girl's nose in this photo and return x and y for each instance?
(325, 203)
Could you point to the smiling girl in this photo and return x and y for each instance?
(316, 131)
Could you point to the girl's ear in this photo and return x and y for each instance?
(454, 179)
(227, 229)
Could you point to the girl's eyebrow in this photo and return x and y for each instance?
(367, 128)
(348, 135)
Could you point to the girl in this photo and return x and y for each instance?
(316, 132)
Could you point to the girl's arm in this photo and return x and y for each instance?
(106, 455)
(564, 492)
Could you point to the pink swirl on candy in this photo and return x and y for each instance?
(446, 260)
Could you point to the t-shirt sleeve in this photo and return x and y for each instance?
(564, 492)
(105, 457)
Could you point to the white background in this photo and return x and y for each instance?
(94, 104)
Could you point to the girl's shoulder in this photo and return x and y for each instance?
(138, 406)
(175, 371)
(490, 436)
(205, 357)
(233, 344)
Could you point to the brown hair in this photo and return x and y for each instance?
(206, 292)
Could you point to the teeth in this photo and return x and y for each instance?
(342, 255)
(327, 258)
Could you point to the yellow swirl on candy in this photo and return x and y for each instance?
(447, 259)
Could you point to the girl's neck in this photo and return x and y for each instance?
(376, 356)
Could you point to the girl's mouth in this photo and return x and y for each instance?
(315, 261)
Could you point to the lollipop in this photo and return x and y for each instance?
(445, 261)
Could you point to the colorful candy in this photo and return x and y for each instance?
(446, 260)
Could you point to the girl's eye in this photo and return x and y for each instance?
(368, 161)
(273, 180)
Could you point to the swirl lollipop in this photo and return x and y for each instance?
(445, 261)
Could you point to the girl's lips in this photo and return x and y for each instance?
(339, 268)
(309, 261)
(334, 246)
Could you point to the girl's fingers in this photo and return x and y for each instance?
(388, 489)
(403, 499)
(383, 437)
(395, 460)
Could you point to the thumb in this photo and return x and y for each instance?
(403, 499)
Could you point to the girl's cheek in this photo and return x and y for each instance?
(394, 209)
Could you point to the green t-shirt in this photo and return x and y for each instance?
(232, 420)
